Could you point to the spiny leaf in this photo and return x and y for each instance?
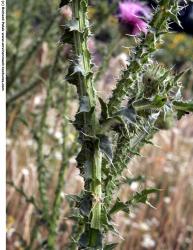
(185, 106)
(143, 195)
(75, 71)
(175, 18)
(106, 220)
(119, 206)
(181, 113)
(148, 104)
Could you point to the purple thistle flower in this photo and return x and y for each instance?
(134, 16)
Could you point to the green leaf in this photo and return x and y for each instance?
(74, 72)
(147, 104)
(106, 220)
(181, 113)
(184, 106)
(119, 206)
(142, 197)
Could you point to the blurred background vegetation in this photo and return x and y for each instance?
(39, 101)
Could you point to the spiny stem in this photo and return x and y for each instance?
(90, 123)
(123, 156)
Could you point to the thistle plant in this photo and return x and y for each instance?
(148, 89)
(110, 133)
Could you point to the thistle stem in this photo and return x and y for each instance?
(85, 86)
